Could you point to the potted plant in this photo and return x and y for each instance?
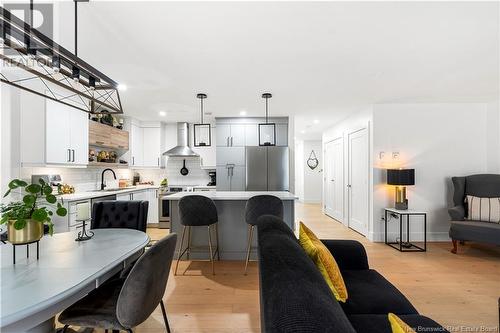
(26, 218)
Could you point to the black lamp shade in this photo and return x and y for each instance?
(202, 135)
(401, 177)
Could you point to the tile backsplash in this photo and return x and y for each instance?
(87, 179)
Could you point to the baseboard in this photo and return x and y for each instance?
(414, 236)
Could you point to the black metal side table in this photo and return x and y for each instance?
(407, 246)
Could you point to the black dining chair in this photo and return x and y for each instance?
(197, 211)
(124, 303)
(256, 207)
(120, 214)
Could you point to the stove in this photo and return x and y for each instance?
(164, 204)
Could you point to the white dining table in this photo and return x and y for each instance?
(33, 291)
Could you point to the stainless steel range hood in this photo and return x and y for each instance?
(182, 149)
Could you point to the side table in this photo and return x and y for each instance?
(408, 246)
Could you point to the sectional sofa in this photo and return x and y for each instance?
(295, 298)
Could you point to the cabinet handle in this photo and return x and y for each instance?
(227, 141)
(231, 141)
(73, 155)
(133, 160)
(158, 161)
(69, 155)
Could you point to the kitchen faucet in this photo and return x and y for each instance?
(102, 177)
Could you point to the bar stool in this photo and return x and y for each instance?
(197, 211)
(256, 207)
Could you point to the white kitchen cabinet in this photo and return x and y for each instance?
(230, 135)
(223, 133)
(79, 136)
(66, 138)
(136, 145)
(251, 135)
(151, 147)
(282, 135)
(230, 155)
(140, 196)
(153, 206)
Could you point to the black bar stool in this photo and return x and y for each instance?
(198, 211)
(256, 207)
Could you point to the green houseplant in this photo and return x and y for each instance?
(26, 218)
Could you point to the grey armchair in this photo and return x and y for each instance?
(462, 229)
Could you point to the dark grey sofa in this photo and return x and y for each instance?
(461, 229)
(294, 297)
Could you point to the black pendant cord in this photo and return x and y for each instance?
(267, 113)
(31, 14)
(201, 101)
(76, 28)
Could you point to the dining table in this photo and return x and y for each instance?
(33, 291)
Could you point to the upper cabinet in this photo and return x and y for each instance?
(105, 136)
(207, 154)
(145, 143)
(241, 132)
(52, 133)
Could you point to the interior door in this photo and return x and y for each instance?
(79, 136)
(357, 185)
(329, 179)
(57, 141)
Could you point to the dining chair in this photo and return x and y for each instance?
(124, 303)
(255, 207)
(120, 214)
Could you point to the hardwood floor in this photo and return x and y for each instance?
(455, 290)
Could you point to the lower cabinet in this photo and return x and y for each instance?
(231, 178)
(150, 195)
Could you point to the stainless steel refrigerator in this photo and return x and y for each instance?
(267, 169)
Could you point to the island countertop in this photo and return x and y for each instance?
(233, 195)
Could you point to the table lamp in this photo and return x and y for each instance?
(401, 178)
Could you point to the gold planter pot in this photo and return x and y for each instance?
(32, 232)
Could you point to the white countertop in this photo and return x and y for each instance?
(233, 195)
(96, 194)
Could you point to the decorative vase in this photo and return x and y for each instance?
(32, 232)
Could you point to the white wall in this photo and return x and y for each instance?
(493, 140)
(437, 140)
(312, 178)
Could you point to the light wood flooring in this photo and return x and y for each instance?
(454, 290)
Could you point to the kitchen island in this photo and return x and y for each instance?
(233, 230)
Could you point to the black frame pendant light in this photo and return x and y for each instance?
(35, 63)
(267, 131)
(202, 132)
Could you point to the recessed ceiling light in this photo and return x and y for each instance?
(122, 87)
(316, 121)
(243, 113)
(162, 113)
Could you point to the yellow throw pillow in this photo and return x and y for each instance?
(325, 262)
(399, 326)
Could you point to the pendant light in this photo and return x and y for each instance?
(202, 134)
(267, 131)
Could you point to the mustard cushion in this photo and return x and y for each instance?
(399, 326)
(325, 262)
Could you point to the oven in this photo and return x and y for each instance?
(164, 206)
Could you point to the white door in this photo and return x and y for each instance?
(136, 146)
(79, 136)
(151, 147)
(357, 184)
(237, 136)
(222, 134)
(57, 140)
(337, 174)
(153, 206)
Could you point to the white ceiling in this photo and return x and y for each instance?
(320, 60)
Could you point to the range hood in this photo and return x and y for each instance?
(182, 149)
